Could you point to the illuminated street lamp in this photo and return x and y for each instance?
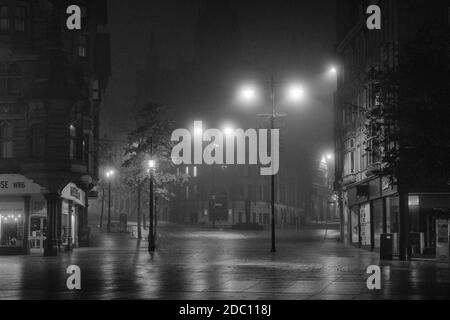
(228, 131)
(109, 176)
(294, 94)
(248, 93)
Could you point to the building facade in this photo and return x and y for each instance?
(324, 206)
(238, 196)
(392, 157)
(51, 82)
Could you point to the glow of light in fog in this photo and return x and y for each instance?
(295, 93)
(228, 131)
(248, 94)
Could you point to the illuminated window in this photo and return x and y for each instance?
(73, 142)
(413, 201)
(195, 172)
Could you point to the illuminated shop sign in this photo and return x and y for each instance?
(72, 192)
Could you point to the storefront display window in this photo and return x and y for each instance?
(354, 211)
(11, 230)
(365, 225)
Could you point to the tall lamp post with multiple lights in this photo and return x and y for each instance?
(109, 176)
(295, 93)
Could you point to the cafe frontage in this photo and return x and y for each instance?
(23, 216)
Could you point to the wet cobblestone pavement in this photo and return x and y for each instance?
(193, 263)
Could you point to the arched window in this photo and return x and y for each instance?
(14, 79)
(6, 140)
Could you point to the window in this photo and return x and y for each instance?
(14, 79)
(85, 151)
(82, 46)
(37, 142)
(6, 143)
(73, 142)
(349, 164)
(4, 18)
(3, 79)
(19, 19)
(83, 12)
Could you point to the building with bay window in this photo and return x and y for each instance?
(50, 96)
(392, 142)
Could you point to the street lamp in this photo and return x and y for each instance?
(151, 237)
(228, 131)
(248, 93)
(109, 176)
(295, 93)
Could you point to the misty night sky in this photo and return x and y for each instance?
(292, 37)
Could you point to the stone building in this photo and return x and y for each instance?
(51, 84)
(392, 162)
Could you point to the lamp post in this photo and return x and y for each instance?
(272, 126)
(295, 93)
(151, 236)
(109, 176)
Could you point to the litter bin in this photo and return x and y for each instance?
(386, 246)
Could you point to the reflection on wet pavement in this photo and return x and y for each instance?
(195, 263)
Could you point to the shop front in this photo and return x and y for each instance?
(16, 196)
(372, 209)
(73, 202)
(429, 225)
(23, 216)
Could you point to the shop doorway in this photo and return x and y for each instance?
(442, 240)
(38, 230)
(436, 233)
